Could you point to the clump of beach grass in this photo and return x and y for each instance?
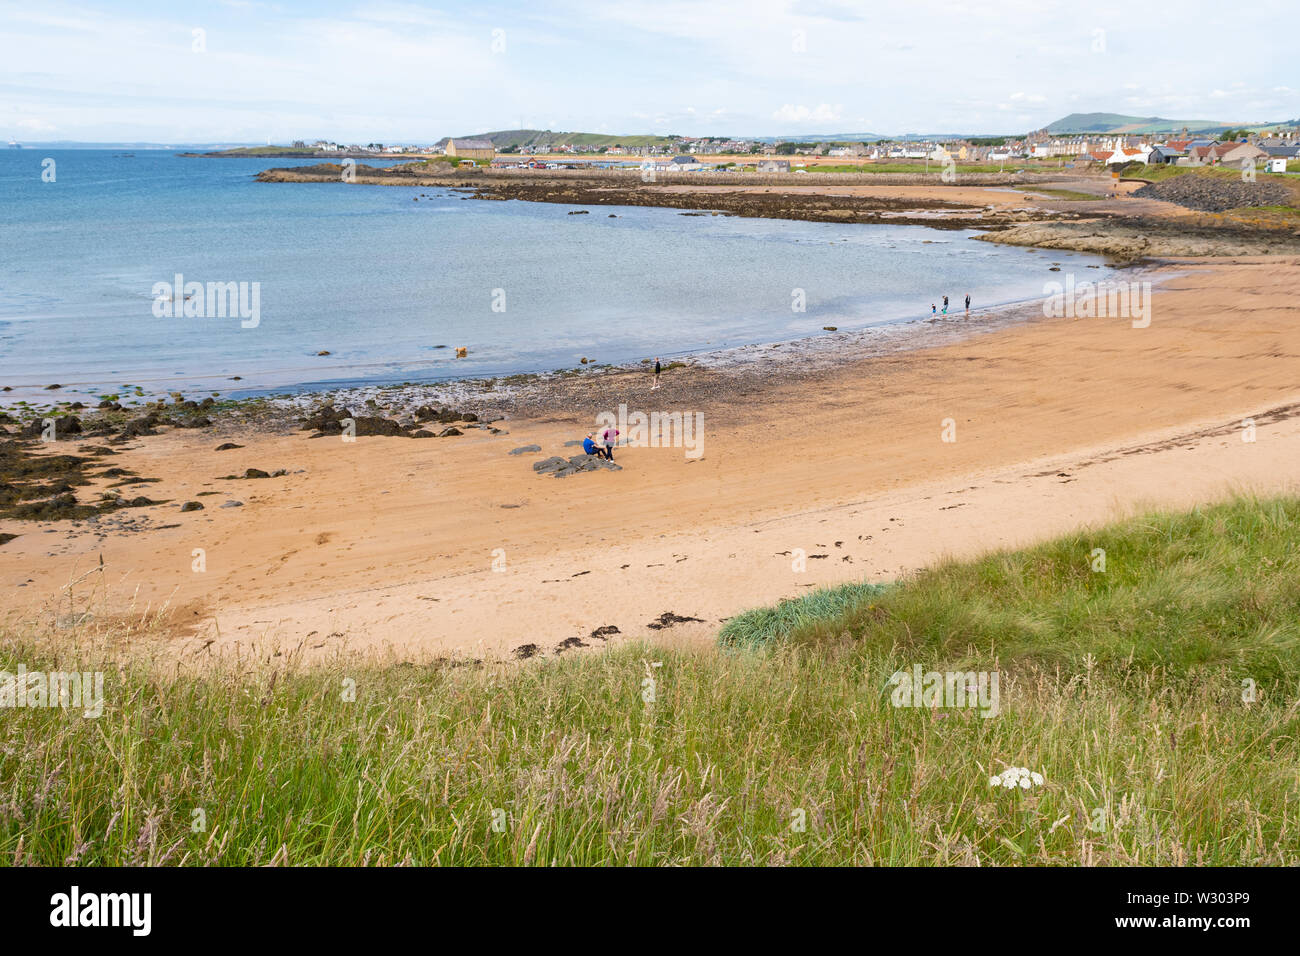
(1154, 700)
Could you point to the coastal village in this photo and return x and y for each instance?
(1271, 152)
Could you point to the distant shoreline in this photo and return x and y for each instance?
(252, 153)
(1121, 227)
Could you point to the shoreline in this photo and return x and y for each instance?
(1131, 225)
(458, 546)
(911, 199)
(546, 391)
(1017, 218)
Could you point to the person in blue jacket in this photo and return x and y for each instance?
(591, 448)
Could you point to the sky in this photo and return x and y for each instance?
(360, 71)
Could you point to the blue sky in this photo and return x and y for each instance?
(375, 70)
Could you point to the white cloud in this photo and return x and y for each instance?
(36, 125)
(823, 113)
(416, 70)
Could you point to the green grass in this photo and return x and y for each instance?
(1070, 194)
(1211, 587)
(449, 161)
(935, 167)
(764, 626)
(1162, 171)
(1123, 688)
(268, 151)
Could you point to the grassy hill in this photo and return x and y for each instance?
(1121, 123)
(545, 137)
(1155, 698)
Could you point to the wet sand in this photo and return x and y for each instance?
(453, 546)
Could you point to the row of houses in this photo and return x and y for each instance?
(1272, 152)
(1194, 152)
(325, 146)
(1208, 152)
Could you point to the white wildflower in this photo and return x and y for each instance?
(1013, 777)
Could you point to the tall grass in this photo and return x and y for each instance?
(1216, 586)
(1123, 688)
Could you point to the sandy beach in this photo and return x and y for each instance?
(596, 435)
(810, 473)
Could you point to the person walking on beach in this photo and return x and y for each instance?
(609, 438)
(658, 368)
(968, 305)
(945, 305)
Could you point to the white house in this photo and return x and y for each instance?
(685, 164)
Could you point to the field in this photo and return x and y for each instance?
(1151, 686)
(914, 167)
(1072, 195)
(1162, 171)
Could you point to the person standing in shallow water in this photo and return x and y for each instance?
(945, 305)
(968, 305)
(658, 368)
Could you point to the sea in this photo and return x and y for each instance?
(392, 281)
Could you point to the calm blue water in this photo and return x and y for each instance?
(380, 280)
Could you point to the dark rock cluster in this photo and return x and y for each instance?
(563, 467)
(328, 420)
(1211, 194)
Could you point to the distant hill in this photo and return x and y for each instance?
(822, 138)
(545, 137)
(502, 139)
(1120, 123)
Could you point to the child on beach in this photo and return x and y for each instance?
(933, 310)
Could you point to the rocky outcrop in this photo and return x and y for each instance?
(328, 420)
(774, 201)
(1130, 239)
(562, 468)
(1215, 194)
